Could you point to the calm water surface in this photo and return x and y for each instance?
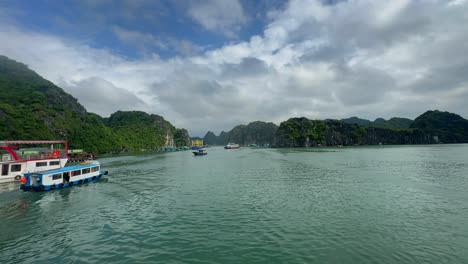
(331, 205)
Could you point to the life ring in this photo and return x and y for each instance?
(17, 177)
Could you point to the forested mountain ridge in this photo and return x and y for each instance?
(258, 132)
(429, 128)
(451, 127)
(32, 107)
(139, 130)
(392, 123)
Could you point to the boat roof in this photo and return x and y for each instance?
(5, 142)
(68, 168)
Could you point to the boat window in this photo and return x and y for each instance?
(41, 164)
(77, 172)
(84, 171)
(95, 168)
(54, 163)
(16, 167)
(5, 169)
(56, 176)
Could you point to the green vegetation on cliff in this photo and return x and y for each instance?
(450, 128)
(34, 108)
(392, 123)
(182, 138)
(138, 130)
(431, 127)
(298, 132)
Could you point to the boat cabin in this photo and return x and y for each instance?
(64, 177)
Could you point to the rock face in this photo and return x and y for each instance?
(223, 138)
(260, 133)
(210, 139)
(182, 138)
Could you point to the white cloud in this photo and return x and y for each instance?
(138, 38)
(359, 57)
(221, 16)
(101, 96)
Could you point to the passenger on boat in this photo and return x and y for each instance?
(66, 177)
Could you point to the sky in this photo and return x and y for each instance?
(213, 64)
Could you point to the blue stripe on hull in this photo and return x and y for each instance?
(62, 185)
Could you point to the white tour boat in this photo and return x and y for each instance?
(25, 156)
(63, 177)
(232, 146)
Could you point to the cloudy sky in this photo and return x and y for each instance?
(213, 64)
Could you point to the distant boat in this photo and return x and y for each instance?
(232, 146)
(200, 152)
(61, 178)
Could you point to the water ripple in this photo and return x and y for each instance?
(343, 205)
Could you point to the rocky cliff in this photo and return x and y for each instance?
(210, 139)
(302, 132)
(260, 133)
(182, 138)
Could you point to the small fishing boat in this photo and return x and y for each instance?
(200, 152)
(61, 178)
(232, 146)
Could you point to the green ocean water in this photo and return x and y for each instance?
(401, 204)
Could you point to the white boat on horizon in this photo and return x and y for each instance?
(41, 155)
(232, 146)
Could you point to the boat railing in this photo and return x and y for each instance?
(44, 155)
